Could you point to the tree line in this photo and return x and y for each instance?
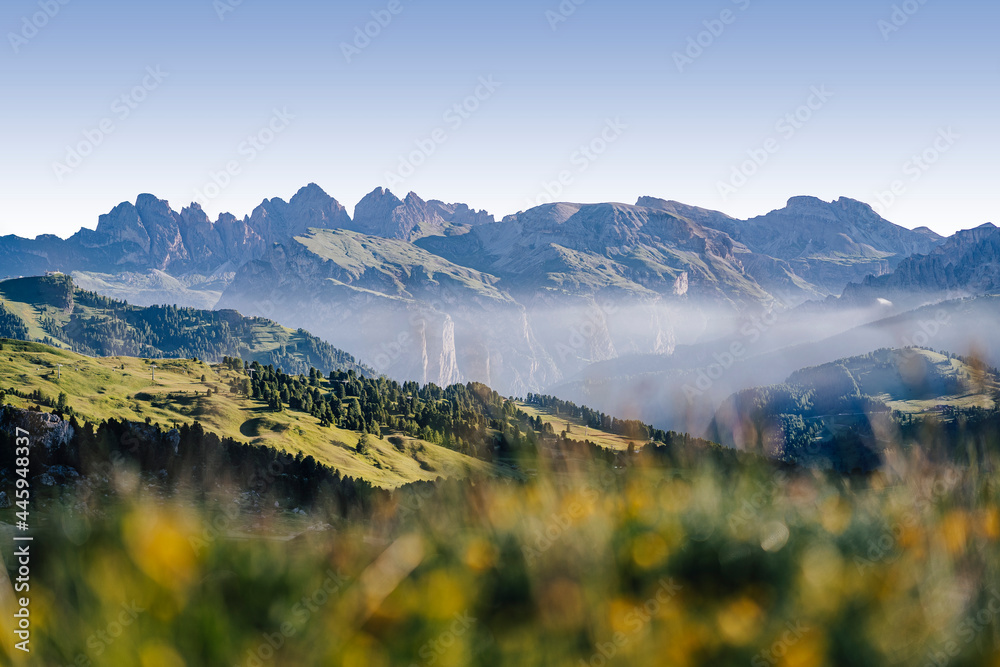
(471, 418)
(12, 326)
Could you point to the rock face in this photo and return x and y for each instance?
(827, 244)
(404, 310)
(967, 264)
(47, 430)
(383, 214)
(636, 252)
(518, 304)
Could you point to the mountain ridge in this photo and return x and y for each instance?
(967, 263)
(518, 303)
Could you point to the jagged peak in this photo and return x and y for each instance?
(381, 192)
(311, 193)
(414, 198)
(379, 195)
(310, 188)
(148, 204)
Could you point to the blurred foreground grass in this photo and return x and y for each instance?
(599, 567)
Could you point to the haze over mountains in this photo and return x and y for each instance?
(441, 293)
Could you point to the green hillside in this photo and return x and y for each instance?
(51, 309)
(394, 267)
(846, 411)
(174, 393)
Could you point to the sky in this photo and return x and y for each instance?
(734, 105)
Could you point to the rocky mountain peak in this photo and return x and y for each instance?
(381, 213)
(123, 225)
(805, 202)
(311, 196)
(413, 199)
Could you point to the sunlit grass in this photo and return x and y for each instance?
(173, 393)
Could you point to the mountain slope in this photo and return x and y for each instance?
(846, 411)
(637, 251)
(407, 310)
(682, 391)
(125, 388)
(968, 263)
(810, 248)
(443, 293)
(827, 244)
(149, 235)
(50, 308)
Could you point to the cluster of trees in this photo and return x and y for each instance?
(628, 428)
(54, 290)
(12, 326)
(101, 326)
(470, 418)
(39, 398)
(973, 434)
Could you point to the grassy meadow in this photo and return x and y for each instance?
(173, 393)
(578, 430)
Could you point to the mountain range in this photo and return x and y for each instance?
(443, 293)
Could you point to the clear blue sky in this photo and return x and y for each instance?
(685, 131)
